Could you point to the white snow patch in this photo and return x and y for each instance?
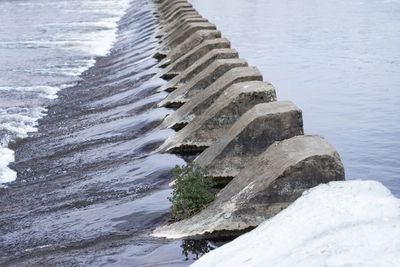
(350, 223)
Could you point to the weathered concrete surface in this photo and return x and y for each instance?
(176, 12)
(194, 40)
(165, 5)
(165, 28)
(188, 30)
(249, 136)
(163, 32)
(166, 13)
(219, 117)
(181, 14)
(168, 5)
(192, 71)
(200, 82)
(195, 54)
(182, 31)
(206, 98)
(267, 185)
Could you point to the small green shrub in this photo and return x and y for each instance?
(191, 191)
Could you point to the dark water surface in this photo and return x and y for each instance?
(90, 188)
(338, 60)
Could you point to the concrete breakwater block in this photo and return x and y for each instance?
(166, 12)
(179, 28)
(191, 42)
(206, 98)
(219, 117)
(188, 30)
(166, 30)
(178, 14)
(204, 79)
(178, 79)
(166, 5)
(195, 54)
(268, 184)
(248, 137)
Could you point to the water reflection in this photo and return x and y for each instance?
(193, 249)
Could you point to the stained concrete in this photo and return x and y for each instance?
(268, 184)
(180, 36)
(249, 136)
(194, 55)
(191, 42)
(166, 6)
(206, 98)
(181, 29)
(219, 117)
(195, 69)
(165, 28)
(176, 14)
(163, 32)
(200, 82)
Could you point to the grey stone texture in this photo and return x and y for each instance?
(207, 127)
(249, 136)
(194, 55)
(195, 69)
(201, 81)
(268, 184)
(200, 102)
(191, 42)
(178, 36)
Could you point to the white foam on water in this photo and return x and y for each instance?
(15, 123)
(6, 174)
(18, 122)
(87, 39)
(49, 92)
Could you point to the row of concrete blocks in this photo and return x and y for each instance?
(253, 146)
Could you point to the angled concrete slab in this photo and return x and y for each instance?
(170, 5)
(219, 117)
(192, 56)
(177, 79)
(268, 184)
(191, 42)
(174, 7)
(176, 13)
(188, 30)
(181, 14)
(165, 5)
(201, 81)
(176, 28)
(206, 98)
(249, 136)
(163, 32)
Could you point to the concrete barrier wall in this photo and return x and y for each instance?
(228, 119)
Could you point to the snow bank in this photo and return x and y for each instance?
(352, 223)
